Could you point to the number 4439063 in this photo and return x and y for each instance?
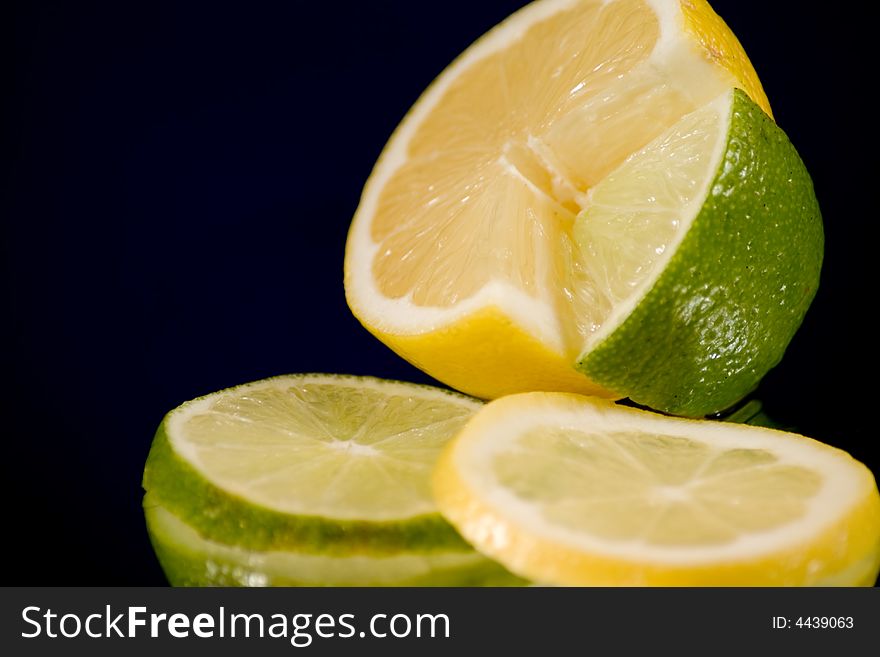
(813, 622)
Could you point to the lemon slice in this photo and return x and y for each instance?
(319, 463)
(463, 255)
(189, 559)
(569, 490)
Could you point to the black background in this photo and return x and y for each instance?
(178, 179)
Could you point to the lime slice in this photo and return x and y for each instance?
(568, 490)
(317, 463)
(188, 559)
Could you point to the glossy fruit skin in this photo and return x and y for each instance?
(720, 317)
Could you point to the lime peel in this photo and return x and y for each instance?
(722, 311)
(189, 559)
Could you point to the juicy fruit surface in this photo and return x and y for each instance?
(568, 490)
(317, 462)
(736, 290)
(637, 213)
(188, 559)
(463, 245)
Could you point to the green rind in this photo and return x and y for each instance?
(186, 566)
(227, 518)
(720, 317)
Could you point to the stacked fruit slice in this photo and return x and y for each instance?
(564, 489)
(312, 480)
(322, 480)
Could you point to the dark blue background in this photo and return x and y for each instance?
(178, 179)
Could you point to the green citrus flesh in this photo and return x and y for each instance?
(322, 464)
(728, 210)
(189, 559)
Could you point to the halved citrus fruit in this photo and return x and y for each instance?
(543, 220)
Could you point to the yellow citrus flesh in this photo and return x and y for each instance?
(567, 490)
(461, 255)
